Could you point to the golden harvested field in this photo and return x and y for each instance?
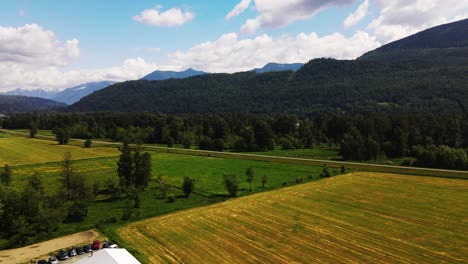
(355, 218)
(18, 151)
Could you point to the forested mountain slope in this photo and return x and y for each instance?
(16, 103)
(410, 80)
(445, 44)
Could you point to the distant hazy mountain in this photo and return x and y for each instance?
(164, 75)
(74, 94)
(32, 93)
(67, 96)
(445, 45)
(17, 103)
(275, 67)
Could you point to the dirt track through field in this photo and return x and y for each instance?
(355, 218)
(19, 255)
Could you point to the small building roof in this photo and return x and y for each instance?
(110, 256)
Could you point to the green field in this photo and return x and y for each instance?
(20, 150)
(355, 218)
(29, 156)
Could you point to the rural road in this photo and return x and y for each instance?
(302, 161)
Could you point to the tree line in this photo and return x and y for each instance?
(35, 212)
(360, 137)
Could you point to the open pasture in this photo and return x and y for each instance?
(19, 150)
(356, 218)
(207, 173)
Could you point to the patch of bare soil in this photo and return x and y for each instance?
(24, 254)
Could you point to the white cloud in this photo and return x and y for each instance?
(274, 13)
(238, 9)
(170, 18)
(400, 18)
(31, 44)
(358, 15)
(13, 75)
(229, 53)
(32, 57)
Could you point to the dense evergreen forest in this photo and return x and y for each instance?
(321, 85)
(14, 103)
(425, 72)
(425, 139)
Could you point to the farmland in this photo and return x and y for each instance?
(356, 218)
(19, 151)
(29, 156)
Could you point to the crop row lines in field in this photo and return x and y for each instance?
(341, 227)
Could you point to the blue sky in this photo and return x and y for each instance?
(56, 44)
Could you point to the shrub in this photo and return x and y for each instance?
(285, 143)
(205, 143)
(408, 162)
(188, 185)
(78, 210)
(264, 180)
(171, 198)
(325, 172)
(88, 143)
(231, 183)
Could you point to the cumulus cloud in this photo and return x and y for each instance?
(31, 44)
(13, 75)
(400, 18)
(358, 15)
(32, 57)
(238, 9)
(274, 14)
(229, 53)
(170, 18)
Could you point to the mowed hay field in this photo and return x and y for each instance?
(19, 151)
(355, 218)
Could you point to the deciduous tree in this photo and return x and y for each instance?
(231, 184)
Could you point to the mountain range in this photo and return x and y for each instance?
(422, 72)
(442, 45)
(46, 94)
(18, 103)
(399, 76)
(276, 67)
(67, 96)
(164, 75)
(74, 94)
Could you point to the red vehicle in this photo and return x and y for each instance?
(96, 245)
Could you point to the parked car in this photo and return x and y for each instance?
(53, 260)
(42, 261)
(79, 251)
(72, 252)
(87, 249)
(96, 245)
(105, 244)
(62, 255)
